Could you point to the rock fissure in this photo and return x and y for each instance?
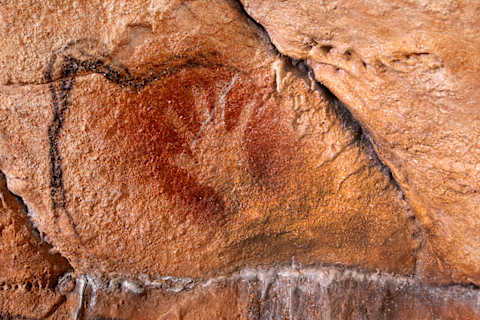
(40, 240)
(305, 71)
(415, 92)
(364, 138)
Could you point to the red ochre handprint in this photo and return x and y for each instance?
(157, 101)
(163, 122)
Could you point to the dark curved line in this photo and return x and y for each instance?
(71, 67)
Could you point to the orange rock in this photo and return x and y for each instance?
(284, 293)
(26, 261)
(28, 270)
(408, 71)
(157, 148)
(170, 139)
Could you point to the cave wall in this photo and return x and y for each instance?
(239, 160)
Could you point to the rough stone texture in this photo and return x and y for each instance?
(284, 293)
(409, 72)
(157, 141)
(25, 259)
(28, 269)
(24, 303)
(153, 147)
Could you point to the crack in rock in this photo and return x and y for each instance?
(305, 71)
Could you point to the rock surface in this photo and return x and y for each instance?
(28, 269)
(176, 159)
(322, 292)
(157, 149)
(290, 293)
(409, 73)
(26, 261)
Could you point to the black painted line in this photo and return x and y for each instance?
(71, 67)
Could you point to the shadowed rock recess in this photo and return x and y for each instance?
(191, 160)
